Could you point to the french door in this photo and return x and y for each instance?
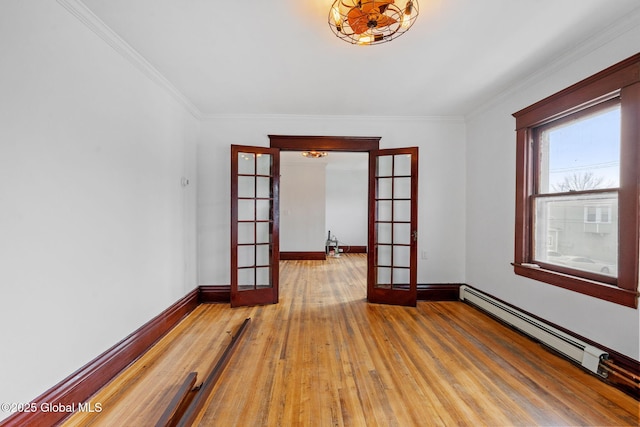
(392, 241)
(393, 225)
(255, 253)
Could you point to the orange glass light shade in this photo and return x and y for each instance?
(368, 22)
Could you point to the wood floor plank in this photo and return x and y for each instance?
(324, 356)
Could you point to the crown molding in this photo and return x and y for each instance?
(347, 118)
(626, 23)
(78, 9)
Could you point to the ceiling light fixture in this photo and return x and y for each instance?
(368, 22)
(315, 154)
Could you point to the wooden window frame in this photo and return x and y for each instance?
(620, 80)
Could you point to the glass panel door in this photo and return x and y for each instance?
(255, 176)
(393, 207)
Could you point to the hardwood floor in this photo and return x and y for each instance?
(324, 356)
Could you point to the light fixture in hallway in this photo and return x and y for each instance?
(314, 154)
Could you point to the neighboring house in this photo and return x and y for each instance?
(583, 229)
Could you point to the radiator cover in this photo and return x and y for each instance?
(580, 352)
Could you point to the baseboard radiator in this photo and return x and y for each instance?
(582, 353)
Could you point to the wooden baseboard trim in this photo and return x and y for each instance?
(86, 381)
(426, 292)
(439, 292)
(299, 256)
(210, 294)
(353, 249)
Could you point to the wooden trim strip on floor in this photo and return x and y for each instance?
(197, 404)
(83, 383)
(179, 403)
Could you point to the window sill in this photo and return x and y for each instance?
(577, 284)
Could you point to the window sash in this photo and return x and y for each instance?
(572, 238)
(542, 156)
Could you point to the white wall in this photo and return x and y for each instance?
(302, 207)
(441, 182)
(321, 195)
(347, 205)
(491, 206)
(97, 234)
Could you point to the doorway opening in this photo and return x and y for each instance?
(343, 149)
(391, 218)
(324, 212)
(323, 205)
(314, 224)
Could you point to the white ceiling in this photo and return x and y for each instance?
(280, 57)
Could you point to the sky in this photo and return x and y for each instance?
(588, 145)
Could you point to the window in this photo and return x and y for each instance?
(577, 186)
(576, 173)
(597, 214)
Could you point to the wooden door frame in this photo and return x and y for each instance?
(352, 144)
(357, 144)
(325, 143)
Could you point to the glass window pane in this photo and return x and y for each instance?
(246, 210)
(401, 278)
(402, 164)
(384, 278)
(402, 188)
(401, 256)
(245, 232)
(384, 165)
(263, 277)
(262, 255)
(246, 186)
(264, 164)
(402, 210)
(384, 232)
(402, 233)
(246, 164)
(583, 154)
(384, 255)
(246, 279)
(579, 232)
(263, 185)
(383, 211)
(246, 256)
(385, 188)
(263, 232)
(263, 208)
